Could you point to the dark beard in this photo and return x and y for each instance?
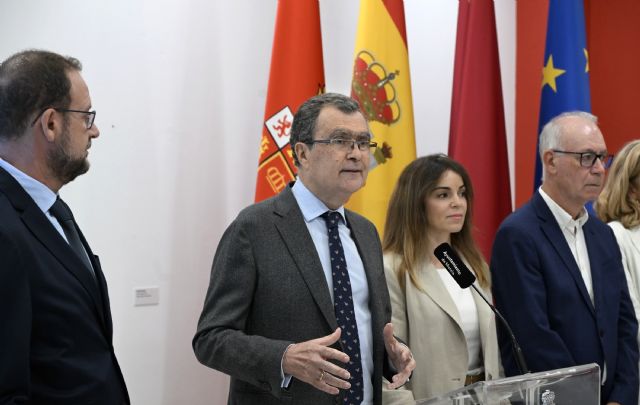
(64, 167)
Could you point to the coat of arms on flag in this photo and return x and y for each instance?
(276, 160)
(296, 74)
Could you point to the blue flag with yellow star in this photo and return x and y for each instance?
(565, 71)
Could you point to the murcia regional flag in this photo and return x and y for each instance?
(382, 85)
(297, 73)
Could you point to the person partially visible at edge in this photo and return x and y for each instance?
(282, 315)
(450, 330)
(619, 206)
(557, 271)
(56, 331)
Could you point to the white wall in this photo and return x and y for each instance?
(179, 86)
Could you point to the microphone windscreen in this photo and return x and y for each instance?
(454, 265)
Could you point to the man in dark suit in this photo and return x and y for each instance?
(55, 322)
(557, 272)
(281, 317)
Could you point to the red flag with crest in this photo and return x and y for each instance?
(297, 73)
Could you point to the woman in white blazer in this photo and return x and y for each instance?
(451, 331)
(619, 205)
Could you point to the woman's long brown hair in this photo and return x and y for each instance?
(405, 232)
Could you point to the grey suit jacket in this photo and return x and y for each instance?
(268, 290)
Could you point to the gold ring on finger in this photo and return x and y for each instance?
(321, 375)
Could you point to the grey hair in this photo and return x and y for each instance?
(550, 137)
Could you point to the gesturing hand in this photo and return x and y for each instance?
(310, 362)
(400, 357)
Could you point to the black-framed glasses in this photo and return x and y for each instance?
(90, 116)
(588, 159)
(345, 144)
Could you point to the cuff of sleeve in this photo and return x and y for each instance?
(285, 378)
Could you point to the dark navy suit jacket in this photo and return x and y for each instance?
(539, 289)
(55, 322)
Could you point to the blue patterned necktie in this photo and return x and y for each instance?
(343, 306)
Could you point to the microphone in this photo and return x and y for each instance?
(465, 278)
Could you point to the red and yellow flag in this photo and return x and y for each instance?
(382, 84)
(297, 73)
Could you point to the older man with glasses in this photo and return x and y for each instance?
(297, 310)
(557, 272)
(55, 323)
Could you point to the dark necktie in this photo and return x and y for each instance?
(343, 306)
(65, 218)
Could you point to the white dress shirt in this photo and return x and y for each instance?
(463, 299)
(573, 233)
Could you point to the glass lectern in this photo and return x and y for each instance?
(578, 385)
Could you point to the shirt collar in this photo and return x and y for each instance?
(41, 194)
(310, 205)
(564, 219)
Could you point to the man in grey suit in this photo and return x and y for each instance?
(280, 317)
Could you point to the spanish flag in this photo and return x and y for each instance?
(297, 73)
(382, 85)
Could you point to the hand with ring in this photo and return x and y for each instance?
(303, 361)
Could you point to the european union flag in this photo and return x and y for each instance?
(565, 72)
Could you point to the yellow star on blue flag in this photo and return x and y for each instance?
(550, 73)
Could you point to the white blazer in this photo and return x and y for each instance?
(430, 324)
(629, 242)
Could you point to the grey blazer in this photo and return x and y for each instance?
(268, 290)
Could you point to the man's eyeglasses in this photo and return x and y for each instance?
(90, 116)
(588, 159)
(345, 144)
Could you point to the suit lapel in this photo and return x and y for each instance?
(597, 271)
(43, 230)
(552, 231)
(437, 291)
(484, 316)
(366, 242)
(293, 230)
(101, 283)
